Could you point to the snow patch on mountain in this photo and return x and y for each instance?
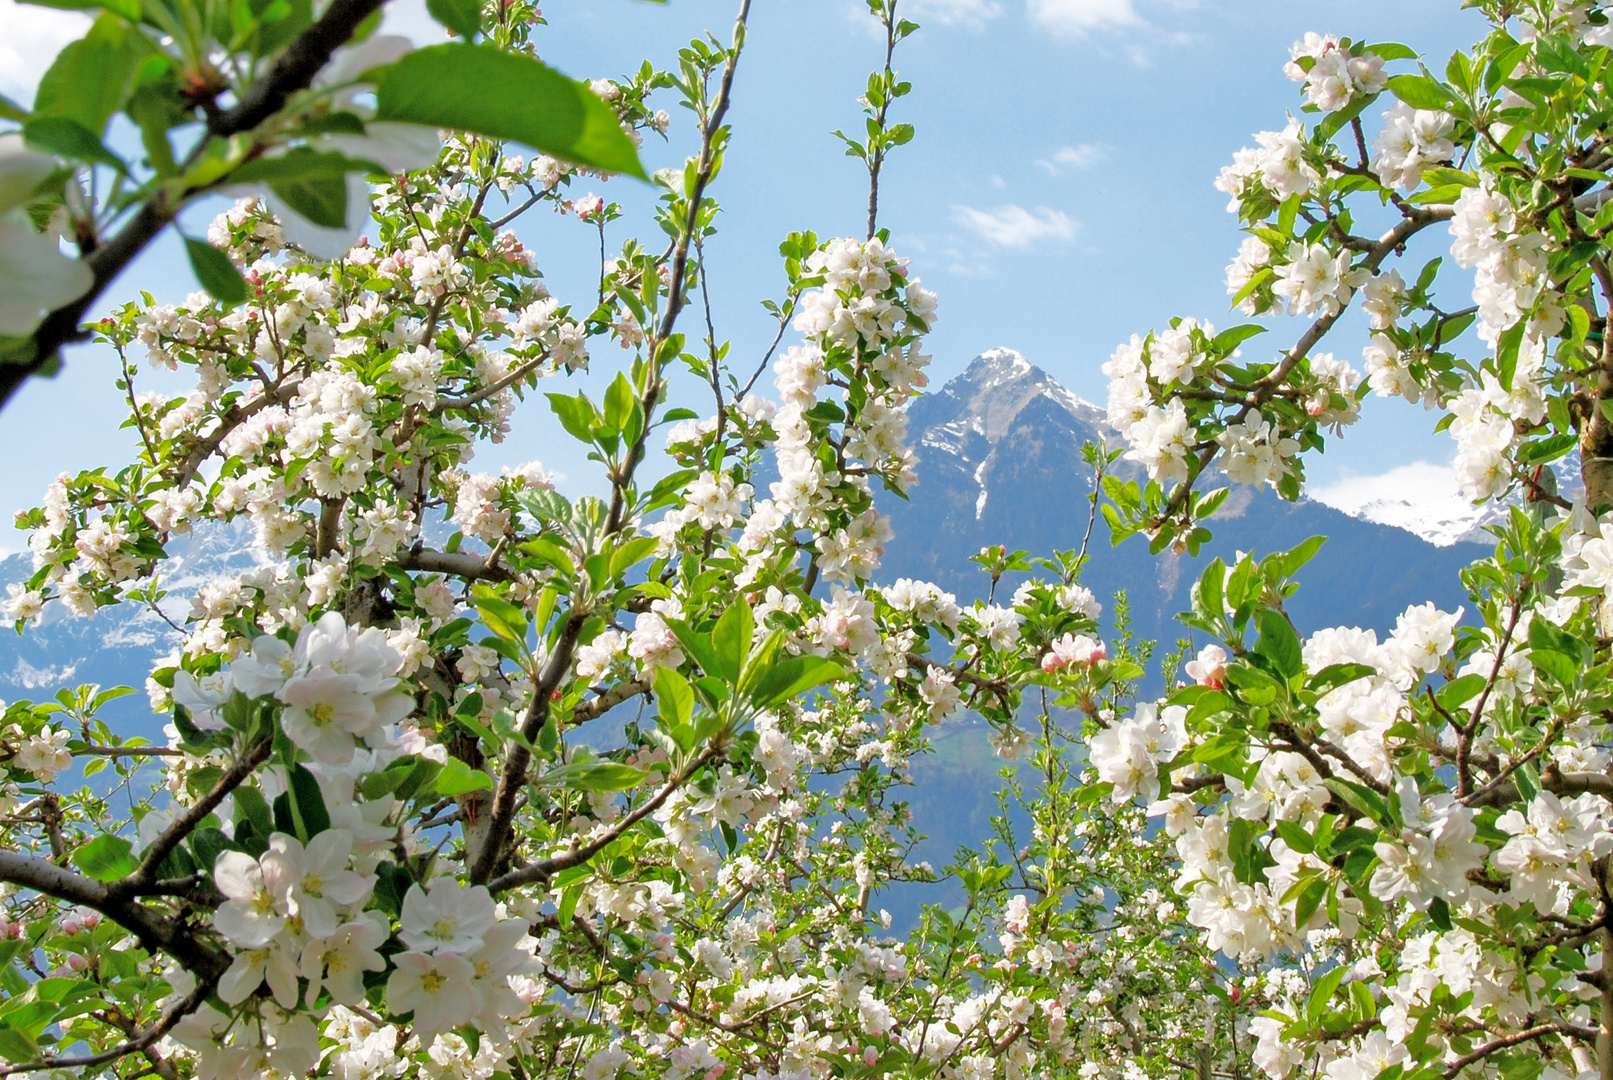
(1422, 498)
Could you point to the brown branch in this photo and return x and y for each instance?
(128, 751)
(515, 376)
(545, 869)
(462, 564)
(600, 704)
(139, 1043)
(1558, 783)
(155, 932)
(1502, 1043)
(183, 825)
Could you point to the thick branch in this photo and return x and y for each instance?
(462, 564)
(146, 1039)
(155, 932)
(1558, 783)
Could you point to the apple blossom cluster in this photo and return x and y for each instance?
(1333, 73)
(1163, 401)
(862, 324)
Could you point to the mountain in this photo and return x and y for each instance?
(117, 646)
(1000, 463)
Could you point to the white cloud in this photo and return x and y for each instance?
(1014, 226)
(1069, 158)
(33, 36)
(972, 13)
(1080, 16)
(1421, 497)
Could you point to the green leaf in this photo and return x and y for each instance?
(17, 1045)
(696, 645)
(793, 676)
(106, 858)
(1335, 675)
(463, 17)
(1278, 643)
(1418, 91)
(67, 138)
(391, 886)
(88, 79)
(606, 776)
(551, 553)
(457, 778)
(568, 905)
(320, 199)
(731, 640)
(1230, 339)
(1308, 901)
(500, 616)
(129, 9)
(1392, 50)
(502, 95)
(1550, 448)
(1363, 799)
(1556, 52)
(1528, 782)
(675, 697)
(577, 415)
(250, 806)
(217, 274)
(1322, 993)
(298, 163)
(1207, 594)
(619, 398)
(1296, 557)
(1244, 585)
(308, 803)
(1459, 691)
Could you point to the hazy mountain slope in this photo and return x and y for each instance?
(1000, 463)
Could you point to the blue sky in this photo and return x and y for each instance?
(1058, 194)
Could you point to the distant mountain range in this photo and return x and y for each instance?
(1000, 450)
(1000, 463)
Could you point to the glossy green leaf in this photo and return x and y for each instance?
(216, 273)
(489, 92)
(1278, 643)
(1418, 91)
(458, 778)
(67, 138)
(730, 640)
(463, 17)
(674, 696)
(605, 776)
(793, 676)
(106, 858)
(320, 199)
(88, 80)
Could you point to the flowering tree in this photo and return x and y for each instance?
(1407, 840)
(466, 777)
(295, 101)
